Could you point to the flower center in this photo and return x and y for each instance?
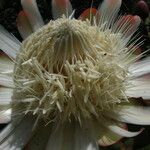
(69, 69)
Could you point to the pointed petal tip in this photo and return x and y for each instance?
(21, 15)
(130, 19)
(88, 13)
(137, 19)
(23, 24)
(108, 12)
(127, 25)
(33, 14)
(113, 2)
(123, 132)
(60, 7)
(61, 3)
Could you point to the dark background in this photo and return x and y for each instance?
(10, 8)
(8, 14)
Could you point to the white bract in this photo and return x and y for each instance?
(71, 83)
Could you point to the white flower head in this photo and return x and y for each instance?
(70, 84)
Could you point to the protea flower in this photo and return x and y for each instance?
(72, 84)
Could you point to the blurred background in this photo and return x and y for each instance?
(9, 10)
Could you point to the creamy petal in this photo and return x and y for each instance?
(133, 114)
(23, 24)
(6, 65)
(31, 9)
(127, 25)
(5, 100)
(139, 87)
(140, 68)
(5, 116)
(108, 12)
(8, 43)
(123, 132)
(6, 80)
(5, 95)
(61, 7)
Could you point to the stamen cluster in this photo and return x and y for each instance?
(68, 69)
